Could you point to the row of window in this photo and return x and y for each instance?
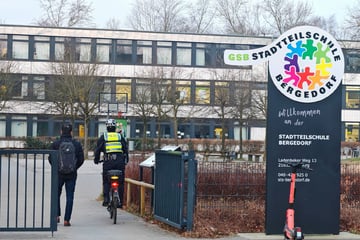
(113, 51)
(190, 92)
(120, 51)
(187, 91)
(22, 126)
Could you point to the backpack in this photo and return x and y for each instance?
(67, 157)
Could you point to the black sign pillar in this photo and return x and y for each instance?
(309, 133)
(306, 67)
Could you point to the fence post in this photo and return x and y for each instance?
(192, 176)
(142, 200)
(128, 194)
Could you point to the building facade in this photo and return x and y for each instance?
(201, 97)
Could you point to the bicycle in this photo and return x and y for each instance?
(114, 198)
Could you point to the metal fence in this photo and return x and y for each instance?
(224, 185)
(28, 190)
(175, 178)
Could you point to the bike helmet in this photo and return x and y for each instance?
(110, 125)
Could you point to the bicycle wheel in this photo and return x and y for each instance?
(111, 212)
(114, 208)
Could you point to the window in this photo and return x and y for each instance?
(352, 61)
(41, 48)
(183, 54)
(39, 88)
(3, 46)
(220, 49)
(202, 92)
(163, 53)
(123, 86)
(124, 51)
(139, 129)
(41, 125)
(161, 91)
(352, 97)
(202, 130)
(184, 130)
(63, 49)
(203, 54)
(20, 87)
(221, 93)
(143, 91)
(183, 90)
(83, 50)
(20, 47)
(144, 52)
(2, 126)
(18, 126)
(352, 132)
(103, 53)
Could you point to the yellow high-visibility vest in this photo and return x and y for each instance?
(112, 142)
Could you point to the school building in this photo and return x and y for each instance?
(188, 66)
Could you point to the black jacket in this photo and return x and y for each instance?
(79, 152)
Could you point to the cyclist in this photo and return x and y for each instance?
(114, 147)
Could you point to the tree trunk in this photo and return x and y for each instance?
(86, 144)
(241, 139)
(175, 131)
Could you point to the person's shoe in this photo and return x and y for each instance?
(67, 224)
(58, 219)
(105, 203)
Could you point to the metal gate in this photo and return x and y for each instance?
(28, 190)
(175, 180)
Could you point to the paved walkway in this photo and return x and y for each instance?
(90, 221)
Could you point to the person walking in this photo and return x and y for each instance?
(70, 159)
(115, 157)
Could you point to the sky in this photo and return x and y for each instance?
(24, 12)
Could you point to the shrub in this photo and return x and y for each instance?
(36, 143)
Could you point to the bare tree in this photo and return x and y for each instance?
(75, 92)
(155, 97)
(232, 13)
(329, 24)
(160, 89)
(242, 107)
(113, 23)
(158, 15)
(221, 106)
(352, 21)
(259, 104)
(177, 96)
(282, 15)
(239, 16)
(65, 13)
(7, 84)
(143, 108)
(201, 16)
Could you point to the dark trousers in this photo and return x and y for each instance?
(69, 189)
(118, 164)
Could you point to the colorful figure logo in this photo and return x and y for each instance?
(306, 64)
